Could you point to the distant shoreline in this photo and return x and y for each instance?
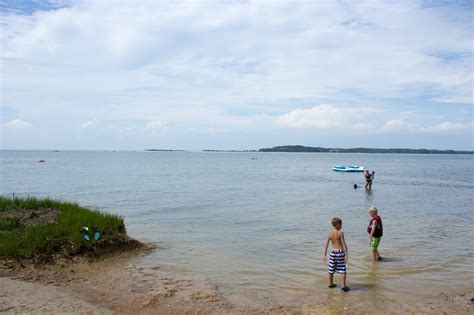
(278, 149)
(307, 149)
(300, 148)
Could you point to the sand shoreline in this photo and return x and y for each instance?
(116, 284)
(122, 284)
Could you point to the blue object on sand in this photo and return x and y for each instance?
(96, 233)
(85, 233)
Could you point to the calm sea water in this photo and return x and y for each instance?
(255, 223)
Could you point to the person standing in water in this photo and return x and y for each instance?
(371, 179)
(375, 230)
(368, 179)
(338, 255)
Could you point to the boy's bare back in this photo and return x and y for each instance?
(336, 237)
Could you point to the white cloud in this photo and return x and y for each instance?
(450, 126)
(365, 119)
(89, 124)
(155, 126)
(18, 124)
(363, 126)
(326, 117)
(376, 49)
(323, 116)
(401, 126)
(397, 125)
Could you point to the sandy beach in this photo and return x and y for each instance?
(122, 284)
(117, 284)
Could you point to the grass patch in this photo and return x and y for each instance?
(9, 224)
(44, 229)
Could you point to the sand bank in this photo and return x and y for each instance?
(24, 297)
(117, 284)
(123, 284)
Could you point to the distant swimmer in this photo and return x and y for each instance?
(42, 161)
(355, 186)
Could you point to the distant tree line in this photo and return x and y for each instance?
(301, 148)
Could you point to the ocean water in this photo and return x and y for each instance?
(255, 223)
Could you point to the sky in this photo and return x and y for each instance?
(235, 74)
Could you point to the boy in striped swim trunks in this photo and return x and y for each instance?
(338, 256)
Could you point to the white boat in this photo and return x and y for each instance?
(350, 168)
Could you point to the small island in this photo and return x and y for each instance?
(301, 148)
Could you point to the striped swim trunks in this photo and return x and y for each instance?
(336, 261)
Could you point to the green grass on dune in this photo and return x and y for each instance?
(62, 236)
(9, 224)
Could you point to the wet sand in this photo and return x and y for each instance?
(124, 284)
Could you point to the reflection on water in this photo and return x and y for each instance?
(256, 227)
(368, 196)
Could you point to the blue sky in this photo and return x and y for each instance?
(236, 74)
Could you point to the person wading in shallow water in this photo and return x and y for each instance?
(375, 230)
(368, 179)
(338, 255)
(371, 179)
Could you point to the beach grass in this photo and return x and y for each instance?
(45, 228)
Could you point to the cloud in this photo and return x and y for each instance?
(340, 118)
(448, 126)
(326, 117)
(155, 126)
(401, 126)
(397, 125)
(193, 63)
(123, 127)
(378, 49)
(89, 124)
(18, 124)
(323, 116)
(363, 126)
